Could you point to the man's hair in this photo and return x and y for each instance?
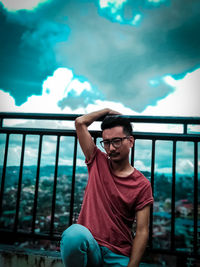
(111, 121)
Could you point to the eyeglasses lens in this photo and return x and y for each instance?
(116, 143)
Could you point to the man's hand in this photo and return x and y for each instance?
(113, 112)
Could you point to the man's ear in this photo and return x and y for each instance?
(132, 140)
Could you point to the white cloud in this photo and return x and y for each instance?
(12, 5)
(31, 156)
(60, 85)
(115, 5)
(80, 162)
(164, 170)
(136, 19)
(78, 87)
(156, 1)
(14, 154)
(99, 104)
(7, 102)
(141, 166)
(66, 162)
(114, 8)
(55, 88)
(185, 166)
(49, 146)
(184, 101)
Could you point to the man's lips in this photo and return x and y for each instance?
(111, 155)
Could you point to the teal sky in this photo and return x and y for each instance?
(140, 57)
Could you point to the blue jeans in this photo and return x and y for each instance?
(80, 249)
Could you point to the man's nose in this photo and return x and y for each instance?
(111, 147)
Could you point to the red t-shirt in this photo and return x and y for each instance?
(110, 202)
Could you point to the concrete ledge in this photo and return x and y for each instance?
(11, 256)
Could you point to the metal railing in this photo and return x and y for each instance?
(184, 136)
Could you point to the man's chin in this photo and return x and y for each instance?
(115, 157)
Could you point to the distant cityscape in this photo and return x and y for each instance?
(161, 209)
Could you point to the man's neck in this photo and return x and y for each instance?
(122, 169)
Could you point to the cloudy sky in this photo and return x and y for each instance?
(136, 56)
(139, 56)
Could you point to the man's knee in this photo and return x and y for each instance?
(76, 236)
(78, 246)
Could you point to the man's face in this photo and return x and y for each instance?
(119, 151)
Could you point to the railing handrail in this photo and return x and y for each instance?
(133, 118)
(63, 132)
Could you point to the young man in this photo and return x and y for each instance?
(115, 195)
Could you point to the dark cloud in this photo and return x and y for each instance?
(83, 100)
(27, 51)
(121, 59)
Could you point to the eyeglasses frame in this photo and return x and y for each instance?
(111, 141)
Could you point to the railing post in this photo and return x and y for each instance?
(185, 128)
(73, 182)
(19, 184)
(1, 122)
(173, 197)
(54, 187)
(37, 185)
(133, 154)
(4, 173)
(195, 244)
(152, 186)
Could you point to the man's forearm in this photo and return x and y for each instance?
(89, 118)
(138, 248)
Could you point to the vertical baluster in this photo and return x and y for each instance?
(19, 184)
(54, 186)
(185, 128)
(4, 173)
(37, 184)
(133, 154)
(173, 197)
(195, 244)
(152, 185)
(1, 122)
(73, 183)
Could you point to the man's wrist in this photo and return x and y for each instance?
(133, 264)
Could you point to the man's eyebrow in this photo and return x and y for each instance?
(112, 139)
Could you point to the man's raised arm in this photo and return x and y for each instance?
(82, 123)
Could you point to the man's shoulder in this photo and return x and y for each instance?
(100, 153)
(97, 155)
(140, 177)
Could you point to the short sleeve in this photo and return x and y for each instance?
(145, 196)
(90, 161)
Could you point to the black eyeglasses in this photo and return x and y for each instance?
(116, 142)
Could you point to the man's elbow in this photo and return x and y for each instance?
(143, 232)
(78, 122)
